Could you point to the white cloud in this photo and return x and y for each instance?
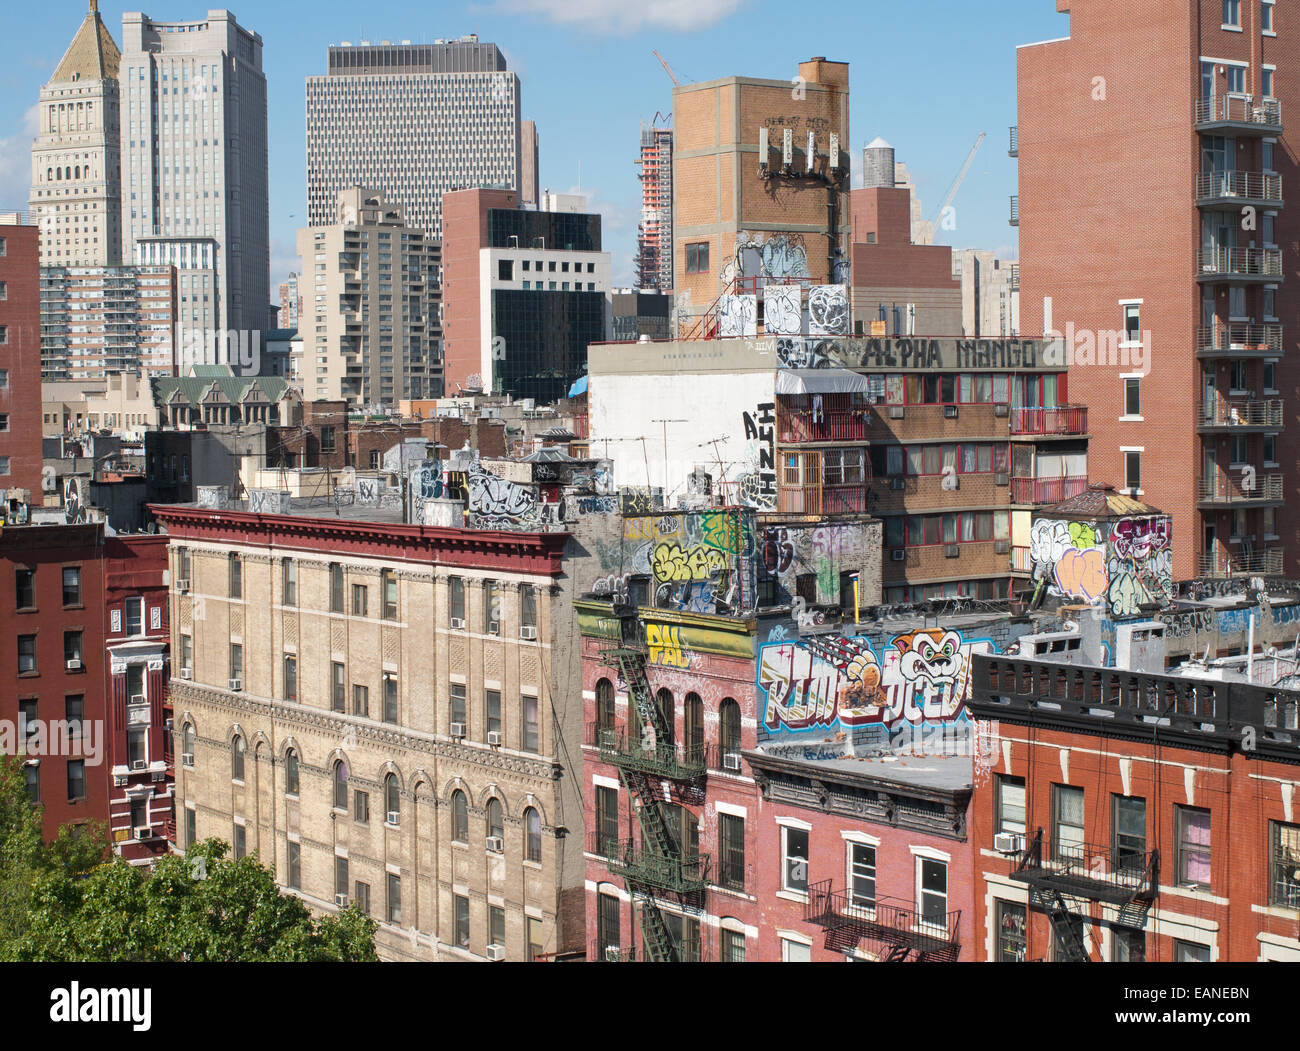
(620, 17)
(16, 163)
(284, 260)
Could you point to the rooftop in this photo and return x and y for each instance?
(93, 54)
(944, 773)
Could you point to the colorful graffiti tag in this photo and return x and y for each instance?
(1122, 566)
(824, 552)
(695, 559)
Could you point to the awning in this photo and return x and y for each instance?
(819, 381)
(579, 387)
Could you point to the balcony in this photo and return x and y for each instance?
(1267, 563)
(794, 427)
(821, 499)
(675, 873)
(1239, 112)
(1240, 414)
(677, 762)
(1233, 190)
(1021, 560)
(1251, 265)
(1013, 147)
(1216, 341)
(894, 923)
(1081, 870)
(1227, 491)
(1047, 420)
(1047, 490)
(1014, 217)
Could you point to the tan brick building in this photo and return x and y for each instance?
(378, 710)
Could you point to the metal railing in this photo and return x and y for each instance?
(891, 920)
(1047, 490)
(822, 427)
(1021, 560)
(1235, 412)
(1014, 217)
(678, 873)
(1056, 419)
(1256, 563)
(1013, 146)
(1102, 872)
(1240, 262)
(1227, 489)
(1239, 108)
(821, 499)
(1256, 186)
(673, 761)
(597, 953)
(1239, 337)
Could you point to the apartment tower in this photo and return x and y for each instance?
(654, 240)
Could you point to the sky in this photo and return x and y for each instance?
(927, 75)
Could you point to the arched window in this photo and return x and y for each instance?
(495, 821)
(392, 799)
(729, 725)
(49, 174)
(58, 174)
(604, 705)
(291, 772)
(459, 817)
(664, 700)
(340, 780)
(76, 172)
(237, 758)
(187, 745)
(533, 826)
(693, 726)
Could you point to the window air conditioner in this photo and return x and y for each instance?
(143, 832)
(457, 729)
(236, 685)
(496, 953)
(731, 761)
(1009, 842)
(341, 900)
(393, 816)
(494, 737)
(187, 673)
(183, 585)
(950, 412)
(897, 483)
(458, 622)
(528, 631)
(138, 764)
(952, 551)
(496, 845)
(187, 759)
(74, 665)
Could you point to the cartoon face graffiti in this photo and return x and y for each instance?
(932, 656)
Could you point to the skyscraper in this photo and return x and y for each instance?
(414, 121)
(76, 195)
(194, 165)
(654, 239)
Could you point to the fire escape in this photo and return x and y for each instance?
(894, 928)
(1128, 881)
(659, 866)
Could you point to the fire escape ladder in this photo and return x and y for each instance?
(1065, 925)
(658, 941)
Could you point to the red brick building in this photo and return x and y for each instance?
(1127, 817)
(1152, 161)
(20, 358)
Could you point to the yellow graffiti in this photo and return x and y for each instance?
(665, 646)
(671, 564)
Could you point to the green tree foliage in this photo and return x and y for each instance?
(74, 901)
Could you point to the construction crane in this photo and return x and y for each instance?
(667, 68)
(956, 185)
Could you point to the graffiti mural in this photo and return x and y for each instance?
(828, 310)
(801, 354)
(664, 646)
(695, 560)
(760, 435)
(824, 552)
(737, 316)
(496, 502)
(782, 310)
(759, 256)
(673, 564)
(268, 502)
(834, 682)
(1122, 565)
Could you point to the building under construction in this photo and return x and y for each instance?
(654, 239)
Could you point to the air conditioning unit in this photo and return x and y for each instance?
(74, 665)
(187, 673)
(896, 412)
(1002, 547)
(143, 832)
(187, 759)
(458, 622)
(236, 685)
(137, 698)
(950, 412)
(496, 845)
(494, 737)
(613, 954)
(952, 551)
(731, 761)
(496, 953)
(341, 900)
(897, 555)
(183, 585)
(394, 816)
(1009, 842)
(494, 627)
(1001, 409)
(138, 764)
(528, 631)
(1001, 479)
(457, 729)
(898, 483)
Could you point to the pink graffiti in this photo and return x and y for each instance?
(1138, 538)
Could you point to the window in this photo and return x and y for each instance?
(336, 588)
(187, 745)
(361, 895)
(394, 910)
(495, 819)
(528, 612)
(459, 817)
(732, 944)
(1190, 952)
(134, 608)
(237, 758)
(340, 783)
(461, 920)
(505, 270)
(361, 700)
(236, 662)
(72, 585)
(1284, 865)
(327, 440)
(289, 582)
(533, 835)
(491, 607)
(76, 780)
(932, 891)
(606, 820)
(862, 875)
(1010, 815)
(496, 925)
(697, 258)
(1067, 822)
(1132, 470)
(338, 687)
(1132, 396)
(236, 576)
(608, 933)
(392, 800)
(534, 937)
(72, 647)
(241, 843)
(1128, 946)
(1232, 13)
(1011, 920)
(795, 952)
(664, 702)
(731, 851)
(24, 588)
(341, 878)
(360, 806)
(390, 698)
(74, 711)
(457, 602)
(493, 707)
(1128, 833)
(359, 600)
(693, 727)
(528, 739)
(1132, 323)
(388, 588)
(26, 654)
(295, 866)
(183, 563)
(794, 870)
(191, 826)
(290, 677)
(1266, 19)
(604, 705)
(1192, 832)
(291, 772)
(729, 726)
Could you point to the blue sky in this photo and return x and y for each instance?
(928, 75)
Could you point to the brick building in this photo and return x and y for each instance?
(20, 370)
(1189, 311)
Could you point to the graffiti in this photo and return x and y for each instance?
(1083, 535)
(697, 597)
(671, 563)
(760, 432)
(214, 496)
(596, 505)
(828, 310)
(72, 509)
(663, 641)
(778, 633)
(801, 354)
(1081, 574)
(778, 552)
(497, 501)
(782, 310)
(1183, 625)
(721, 531)
(737, 316)
(613, 586)
(639, 500)
(825, 553)
(368, 490)
(543, 472)
(268, 502)
(425, 480)
(1136, 538)
(1049, 539)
